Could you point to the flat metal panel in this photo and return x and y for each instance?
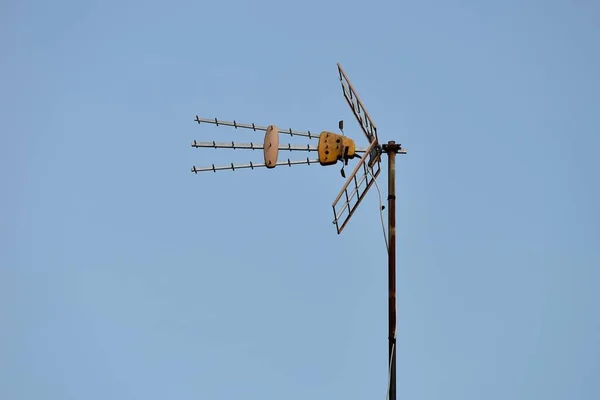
(359, 110)
(356, 187)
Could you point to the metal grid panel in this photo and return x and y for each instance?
(356, 187)
(361, 114)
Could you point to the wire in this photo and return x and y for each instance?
(387, 247)
(389, 381)
(390, 371)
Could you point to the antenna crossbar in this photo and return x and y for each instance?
(251, 165)
(254, 127)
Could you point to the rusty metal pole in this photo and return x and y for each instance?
(391, 148)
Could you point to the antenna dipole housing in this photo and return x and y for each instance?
(334, 147)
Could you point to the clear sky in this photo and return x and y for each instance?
(125, 276)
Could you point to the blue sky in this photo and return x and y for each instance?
(125, 276)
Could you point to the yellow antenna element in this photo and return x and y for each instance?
(333, 147)
(271, 146)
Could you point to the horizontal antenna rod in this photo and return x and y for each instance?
(254, 127)
(252, 146)
(233, 167)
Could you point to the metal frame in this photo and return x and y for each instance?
(340, 218)
(367, 125)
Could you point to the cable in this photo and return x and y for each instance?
(390, 371)
(389, 383)
(387, 247)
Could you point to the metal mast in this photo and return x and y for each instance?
(391, 148)
(353, 198)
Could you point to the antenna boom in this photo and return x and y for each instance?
(254, 127)
(233, 167)
(252, 146)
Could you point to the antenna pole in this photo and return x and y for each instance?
(391, 148)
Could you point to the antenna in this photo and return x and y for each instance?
(331, 148)
(354, 191)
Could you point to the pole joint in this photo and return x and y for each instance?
(391, 147)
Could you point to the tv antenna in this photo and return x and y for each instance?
(331, 148)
